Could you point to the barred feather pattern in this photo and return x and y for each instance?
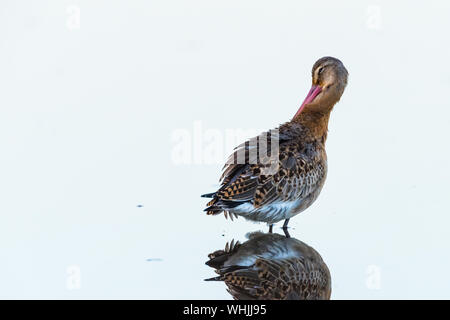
(272, 186)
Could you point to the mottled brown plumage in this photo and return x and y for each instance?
(272, 267)
(281, 172)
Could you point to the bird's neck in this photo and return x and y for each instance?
(315, 121)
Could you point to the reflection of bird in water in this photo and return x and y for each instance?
(271, 266)
(270, 189)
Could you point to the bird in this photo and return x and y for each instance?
(271, 188)
(270, 266)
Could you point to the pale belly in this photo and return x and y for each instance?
(276, 211)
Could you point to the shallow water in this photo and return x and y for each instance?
(110, 131)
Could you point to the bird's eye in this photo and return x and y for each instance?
(320, 70)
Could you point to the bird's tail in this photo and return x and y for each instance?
(217, 259)
(208, 195)
(212, 207)
(216, 206)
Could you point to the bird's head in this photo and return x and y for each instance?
(329, 79)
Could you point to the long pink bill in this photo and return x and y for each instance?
(312, 94)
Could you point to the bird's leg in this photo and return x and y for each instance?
(271, 228)
(285, 228)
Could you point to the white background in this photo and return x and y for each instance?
(88, 114)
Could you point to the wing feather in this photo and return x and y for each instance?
(248, 176)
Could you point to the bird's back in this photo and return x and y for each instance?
(270, 188)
